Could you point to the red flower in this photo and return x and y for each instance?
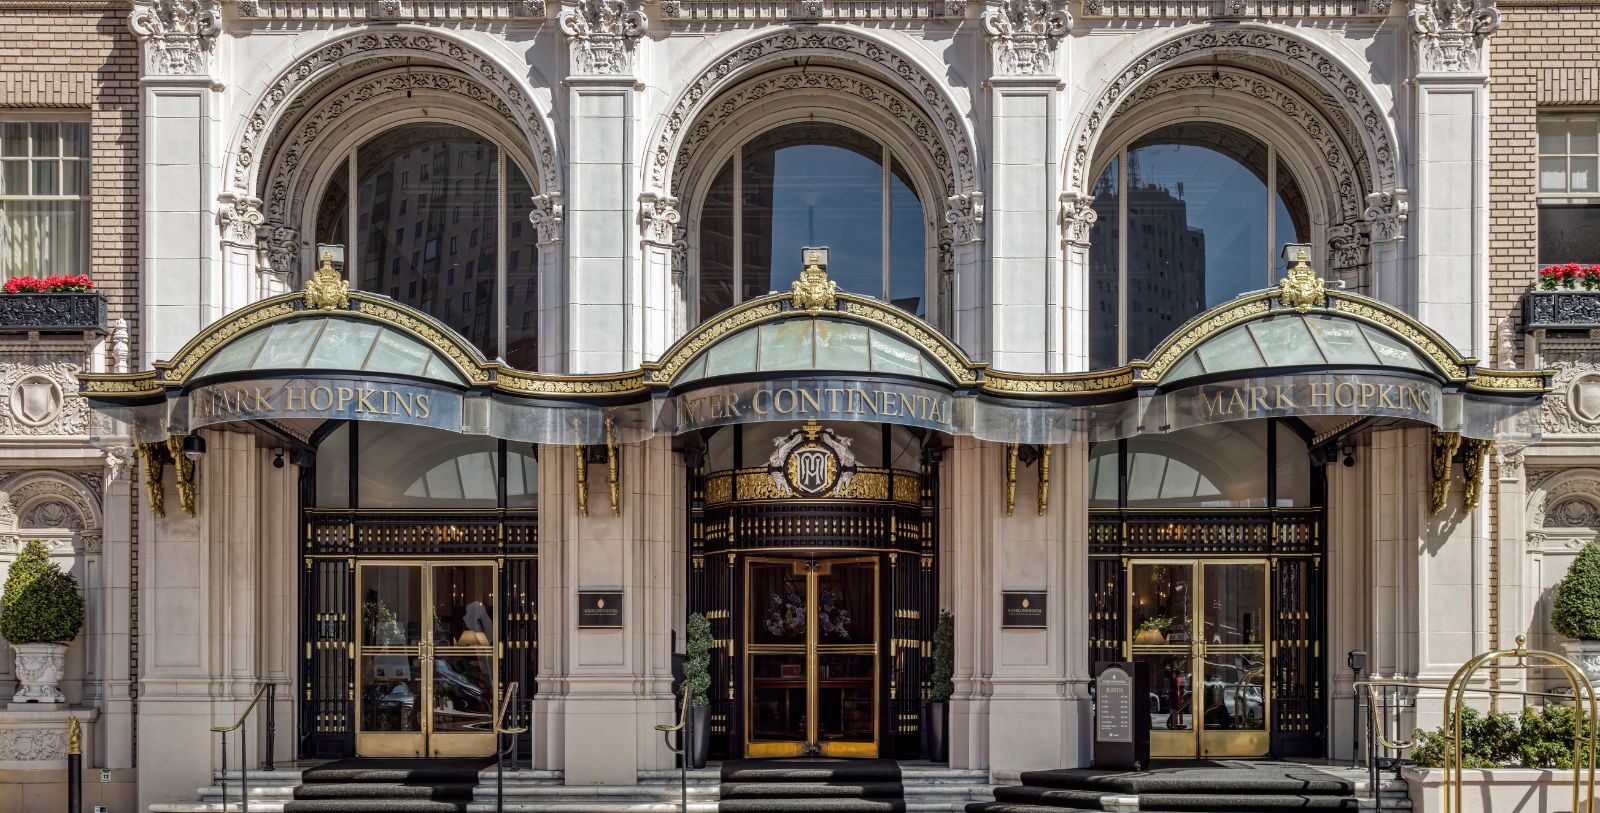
(52, 284)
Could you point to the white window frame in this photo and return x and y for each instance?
(87, 160)
(1565, 195)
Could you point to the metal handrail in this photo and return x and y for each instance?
(508, 700)
(260, 692)
(683, 716)
(268, 690)
(684, 741)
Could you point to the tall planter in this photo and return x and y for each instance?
(1561, 310)
(40, 669)
(53, 313)
(40, 611)
(936, 712)
(697, 682)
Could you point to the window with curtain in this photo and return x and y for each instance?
(44, 198)
(1569, 188)
(435, 228)
(1189, 216)
(812, 185)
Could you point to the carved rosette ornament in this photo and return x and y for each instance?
(1450, 34)
(1023, 35)
(239, 216)
(658, 218)
(1077, 218)
(1386, 212)
(964, 216)
(602, 34)
(178, 35)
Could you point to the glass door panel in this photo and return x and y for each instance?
(1161, 604)
(427, 662)
(777, 595)
(845, 632)
(1234, 651)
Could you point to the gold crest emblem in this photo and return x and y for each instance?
(1302, 288)
(327, 290)
(814, 290)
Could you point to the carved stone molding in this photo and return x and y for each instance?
(33, 744)
(344, 11)
(964, 216)
(40, 398)
(1508, 458)
(1387, 212)
(120, 346)
(1449, 34)
(1023, 35)
(1345, 95)
(547, 217)
(239, 216)
(601, 36)
(1077, 218)
(658, 218)
(1568, 499)
(47, 501)
(178, 35)
(768, 11)
(789, 44)
(306, 82)
(1192, 10)
(905, 112)
(1573, 405)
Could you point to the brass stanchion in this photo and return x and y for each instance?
(74, 766)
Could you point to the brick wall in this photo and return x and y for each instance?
(81, 57)
(1542, 56)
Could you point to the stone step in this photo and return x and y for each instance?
(233, 806)
(579, 793)
(597, 806)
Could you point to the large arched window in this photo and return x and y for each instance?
(1189, 216)
(808, 185)
(436, 229)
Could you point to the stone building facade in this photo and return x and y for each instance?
(489, 311)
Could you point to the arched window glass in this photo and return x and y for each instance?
(812, 185)
(1240, 464)
(398, 466)
(1185, 223)
(435, 228)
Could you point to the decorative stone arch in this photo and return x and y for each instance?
(352, 72)
(851, 49)
(57, 509)
(1346, 100)
(1568, 501)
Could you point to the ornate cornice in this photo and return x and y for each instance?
(768, 11)
(344, 11)
(178, 36)
(1201, 10)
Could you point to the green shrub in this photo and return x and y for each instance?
(1540, 737)
(697, 666)
(40, 604)
(944, 658)
(1575, 610)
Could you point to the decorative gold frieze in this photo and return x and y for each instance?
(521, 382)
(465, 360)
(954, 360)
(1063, 384)
(1445, 445)
(690, 346)
(758, 484)
(1431, 345)
(1531, 382)
(1177, 346)
(209, 341)
(327, 289)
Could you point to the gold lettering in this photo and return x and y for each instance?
(1321, 394)
(833, 398)
(731, 403)
(263, 400)
(364, 400)
(778, 401)
(345, 396)
(1384, 401)
(854, 401)
(906, 408)
(756, 402)
(406, 403)
(1235, 399)
(327, 399)
(1368, 392)
(295, 399)
(1283, 399)
(422, 405)
(810, 401)
(1212, 407)
(890, 405)
(1258, 397)
(1345, 394)
(872, 403)
(1425, 401)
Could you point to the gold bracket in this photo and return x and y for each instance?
(187, 476)
(1444, 451)
(154, 466)
(1044, 479)
(1474, 452)
(613, 475)
(583, 480)
(1011, 478)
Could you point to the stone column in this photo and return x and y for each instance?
(1450, 201)
(1515, 594)
(1351, 597)
(658, 223)
(246, 277)
(605, 299)
(1386, 216)
(115, 743)
(549, 220)
(1077, 218)
(182, 283)
(1023, 88)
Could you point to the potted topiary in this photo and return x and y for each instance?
(936, 712)
(1575, 609)
(40, 611)
(697, 681)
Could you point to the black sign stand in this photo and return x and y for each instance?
(1121, 716)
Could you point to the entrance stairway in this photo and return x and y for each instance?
(387, 786)
(812, 786)
(1233, 787)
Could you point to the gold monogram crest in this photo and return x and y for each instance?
(1302, 289)
(327, 290)
(814, 290)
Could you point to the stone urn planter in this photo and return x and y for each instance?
(1587, 655)
(53, 313)
(1561, 310)
(40, 668)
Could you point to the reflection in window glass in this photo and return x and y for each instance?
(1294, 469)
(1183, 226)
(812, 185)
(1569, 189)
(522, 271)
(1215, 465)
(404, 466)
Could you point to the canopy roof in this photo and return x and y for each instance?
(814, 336)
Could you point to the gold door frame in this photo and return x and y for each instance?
(425, 741)
(1197, 742)
(811, 568)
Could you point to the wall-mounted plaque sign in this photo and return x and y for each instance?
(1022, 611)
(599, 610)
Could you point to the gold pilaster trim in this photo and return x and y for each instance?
(1011, 477)
(1444, 452)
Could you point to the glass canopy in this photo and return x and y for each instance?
(834, 345)
(330, 343)
(1294, 340)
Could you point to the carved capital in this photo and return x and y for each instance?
(601, 35)
(178, 36)
(1023, 35)
(283, 250)
(964, 216)
(1387, 212)
(239, 216)
(547, 217)
(1449, 34)
(658, 218)
(1077, 218)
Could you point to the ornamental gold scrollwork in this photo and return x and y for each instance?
(513, 381)
(1016, 384)
(708, 334)
(1445, 445)
(613, 472)
(327, 290)
(1176, 348)
(581, 454)
(1012, 450)
(431, 336)
(154, 466)
(186, 476)
(1528, 381)
(1302, 289)
(191, 356)
(1473, 454)
(1044, 479)
(941, 350)
(813, 290)
(1430, 347)
(141, 384)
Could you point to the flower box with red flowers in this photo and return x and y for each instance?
(57, 304)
